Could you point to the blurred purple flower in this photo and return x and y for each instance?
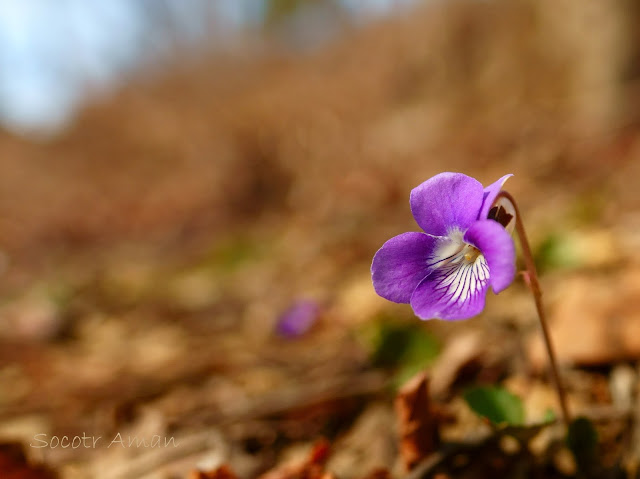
(298, 318)
(446, 271)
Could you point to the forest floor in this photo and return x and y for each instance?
(151, 253)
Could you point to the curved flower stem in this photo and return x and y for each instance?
(537, 296)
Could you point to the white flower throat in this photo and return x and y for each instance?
(459, 268)
(453, 250)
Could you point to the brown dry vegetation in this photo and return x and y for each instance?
(151, 247)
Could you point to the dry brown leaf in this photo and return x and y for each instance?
(595, 320)
(14, 465)
(222, 472)
(418, 422)
(380, 473)
(312, 468)
(368, 445)
(462, 351)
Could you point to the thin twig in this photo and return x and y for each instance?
(537, 296)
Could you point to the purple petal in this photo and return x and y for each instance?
(401, 264)
(497, 247)
(454, 292)
(446, 201)
(490, 193)
(297, 319)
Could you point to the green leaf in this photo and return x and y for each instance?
(557, 251)
(582, 440)
(549, 416)
(230, 253)
(420, 352)
(496, 404)
(398, 344)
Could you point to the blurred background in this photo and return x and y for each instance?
(191, 194)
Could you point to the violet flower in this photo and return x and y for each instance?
(466, 247)
(298, 319)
